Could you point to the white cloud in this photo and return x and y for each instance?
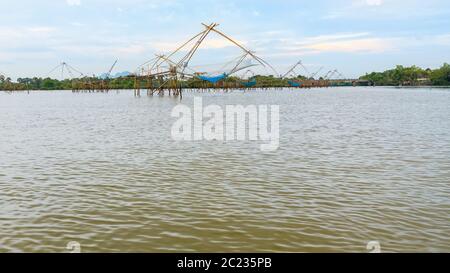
(77, 24)
(374, 2)
(369, 45)
(377, 10)
(208, 43)
(360, 42)
(355, 43)
(218, 43)
(442, 40)
(41, 30)
(256, 13)
(16, 36)
(73, 2)
(333, 37)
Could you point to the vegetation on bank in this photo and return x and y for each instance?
(413, 76)
(124, 83)
(54, 84)
(406, 76)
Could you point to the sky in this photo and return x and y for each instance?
(353, 36)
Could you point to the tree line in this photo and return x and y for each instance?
(400, 75)
(54, 84)
(126, 82)
(414, 76)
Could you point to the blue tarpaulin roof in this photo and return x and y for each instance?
(214, 79)
(250, 83)
(294, 84)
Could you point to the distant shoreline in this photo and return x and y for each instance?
(415, 87)
(240, 89)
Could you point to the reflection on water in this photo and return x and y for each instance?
(354, 165)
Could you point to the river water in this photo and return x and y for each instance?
(354, 165)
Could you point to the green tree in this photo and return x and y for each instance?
(441, 76)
